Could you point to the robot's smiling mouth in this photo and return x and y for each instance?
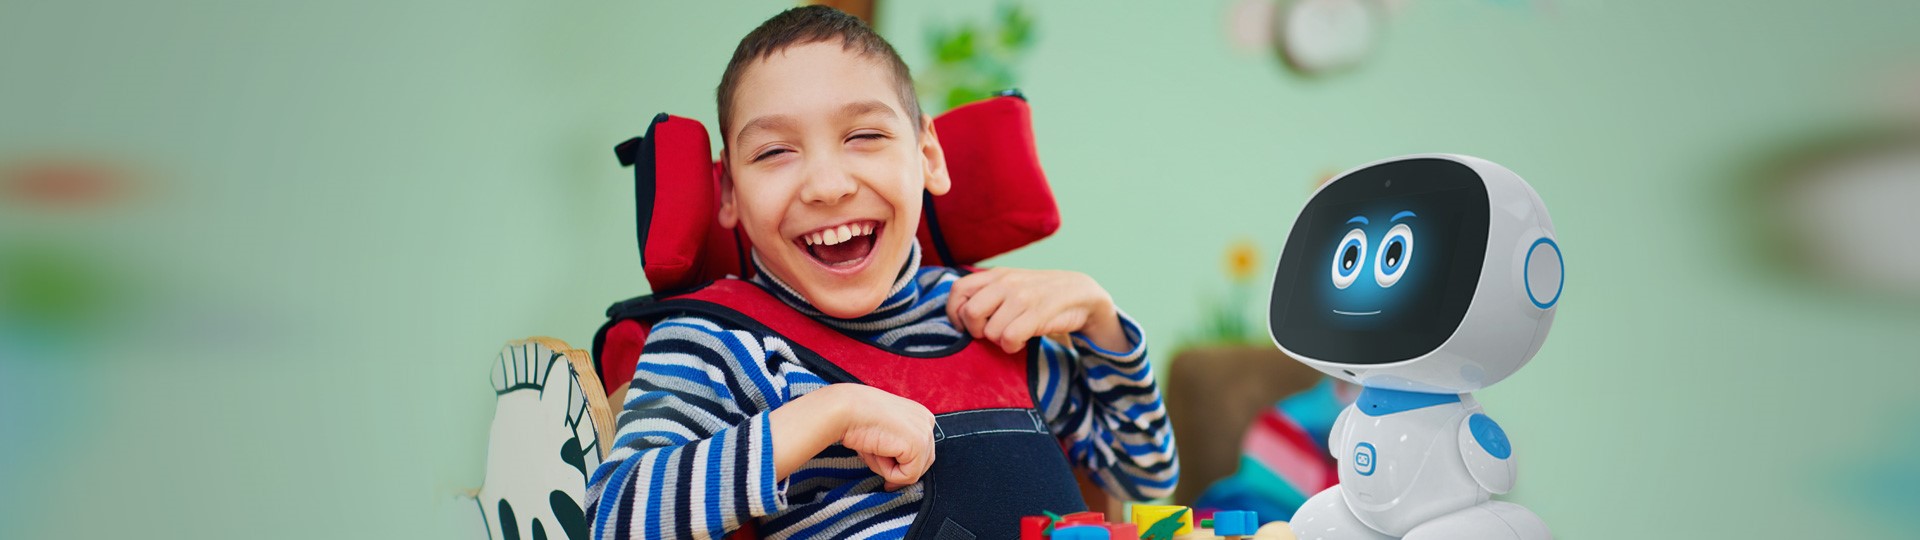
(1357, 313)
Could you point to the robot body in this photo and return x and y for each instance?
(1422, 279)
(1407, 458)
(1401, 468)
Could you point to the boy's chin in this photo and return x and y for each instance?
(847, 304)
(847, 297)
(848, 311)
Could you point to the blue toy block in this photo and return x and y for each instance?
(1081, 532)
(1235, 523)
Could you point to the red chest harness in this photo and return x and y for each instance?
(995, 460)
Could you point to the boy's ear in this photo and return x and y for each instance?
(934, 159)
(729, 213)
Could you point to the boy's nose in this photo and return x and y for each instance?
(828, 183)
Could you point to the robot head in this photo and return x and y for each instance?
(1427, 273)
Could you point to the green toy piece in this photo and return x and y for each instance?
(1163, 529)
(1053, 521)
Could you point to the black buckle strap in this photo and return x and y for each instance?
(955, 425)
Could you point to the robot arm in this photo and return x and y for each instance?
(1488, 455)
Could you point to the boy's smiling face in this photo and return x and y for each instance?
(824, 173)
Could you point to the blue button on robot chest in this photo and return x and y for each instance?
(1365, 458)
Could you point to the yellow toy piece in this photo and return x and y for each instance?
(1145, 515)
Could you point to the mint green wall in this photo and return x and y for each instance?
(342, 209)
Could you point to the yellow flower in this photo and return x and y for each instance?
(1240, 260)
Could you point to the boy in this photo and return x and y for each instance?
(826, 155)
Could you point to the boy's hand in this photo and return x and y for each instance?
(1010, 305)
(893, 435)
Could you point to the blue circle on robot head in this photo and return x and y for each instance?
(1365, 459)
(1554, 274)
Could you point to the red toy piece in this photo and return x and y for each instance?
(1083, 518)
(1035, 527)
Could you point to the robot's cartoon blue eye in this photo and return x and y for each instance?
(1395, 250)
(1349, 257)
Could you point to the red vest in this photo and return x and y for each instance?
(994, 460)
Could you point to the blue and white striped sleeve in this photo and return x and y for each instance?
(692, 457)
(1106, 407)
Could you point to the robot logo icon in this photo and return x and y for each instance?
(1364, 458)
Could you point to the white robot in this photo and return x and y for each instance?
(1420, 278)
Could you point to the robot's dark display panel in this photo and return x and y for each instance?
(1382, 264)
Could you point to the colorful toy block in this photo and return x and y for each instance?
(1035, 527)
(1083, 518)
(1234, 523)
(1151, 517)
(1081, 532)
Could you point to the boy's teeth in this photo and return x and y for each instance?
(836, 235)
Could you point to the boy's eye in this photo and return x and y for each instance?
(771, 152)
(867, 137)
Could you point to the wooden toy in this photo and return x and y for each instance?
(1278, 530)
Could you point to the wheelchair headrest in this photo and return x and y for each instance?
(999, 201)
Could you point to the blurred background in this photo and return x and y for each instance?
(256, 257)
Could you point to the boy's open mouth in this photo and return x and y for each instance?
(842, 246)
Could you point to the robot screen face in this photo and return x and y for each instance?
(1382, 264)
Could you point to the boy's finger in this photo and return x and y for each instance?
(909, 455)
(879, 465)
(1021, 330)
(963, 291)
(956, 302)
(911, 472)
(971, 283)
(896, 476)
(1066, 322)
(980, 309)
(1003, 318)
(892, 469)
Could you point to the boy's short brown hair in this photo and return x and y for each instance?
(810, 24)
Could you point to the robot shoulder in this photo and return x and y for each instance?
(1487, 453)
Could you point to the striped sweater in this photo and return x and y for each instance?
(693, 454)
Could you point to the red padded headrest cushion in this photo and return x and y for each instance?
(999, 202)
